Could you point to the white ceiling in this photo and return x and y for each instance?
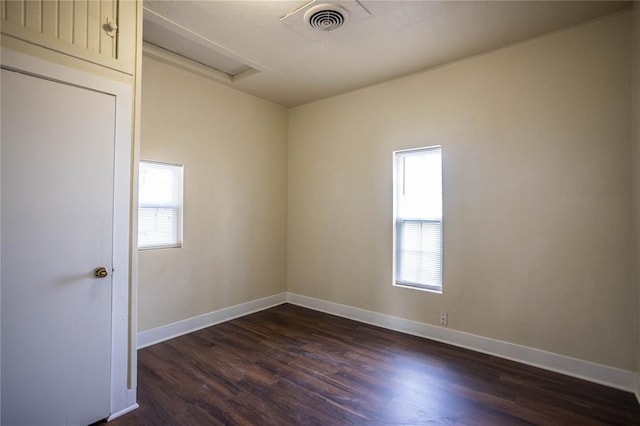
(297, 65)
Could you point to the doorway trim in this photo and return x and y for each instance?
(123, 399)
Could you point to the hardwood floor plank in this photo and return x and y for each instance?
(293, 366)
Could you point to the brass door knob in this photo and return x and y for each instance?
(100, 272)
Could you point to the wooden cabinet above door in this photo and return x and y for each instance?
(98, 31)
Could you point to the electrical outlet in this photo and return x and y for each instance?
(444, 318)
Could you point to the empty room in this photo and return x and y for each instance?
(333, 213)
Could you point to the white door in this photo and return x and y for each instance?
(57, 162)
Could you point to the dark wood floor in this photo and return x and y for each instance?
(293, 366)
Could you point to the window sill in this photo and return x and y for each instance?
(419, 287)
(159, 247)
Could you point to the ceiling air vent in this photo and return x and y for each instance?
(315, 19)
(326, 17)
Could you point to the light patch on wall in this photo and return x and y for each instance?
(164, 33)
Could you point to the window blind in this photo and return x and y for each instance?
(160, 205)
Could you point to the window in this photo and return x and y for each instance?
(417, 211)
(160, 205)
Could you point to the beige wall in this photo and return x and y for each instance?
(233, 148)
(537, 184)
(635, 122)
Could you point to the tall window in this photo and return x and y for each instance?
(160, 205)
(417, 251)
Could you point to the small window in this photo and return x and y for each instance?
(160, 205)
(417, 211)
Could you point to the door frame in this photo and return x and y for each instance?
(123, 399)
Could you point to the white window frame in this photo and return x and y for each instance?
(398, 182)
(176, 205)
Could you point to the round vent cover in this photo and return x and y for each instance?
(326, 17)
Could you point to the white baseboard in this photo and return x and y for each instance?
(169, 331)
(130, 405)
(131, 397)
(598, 373)
(123, 412)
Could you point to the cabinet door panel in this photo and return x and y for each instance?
(14, 12)
(93, 31)
(80, 29)
(107, 42)
(76, 27)
(33, 15)
(65, 21)
(50, 19)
